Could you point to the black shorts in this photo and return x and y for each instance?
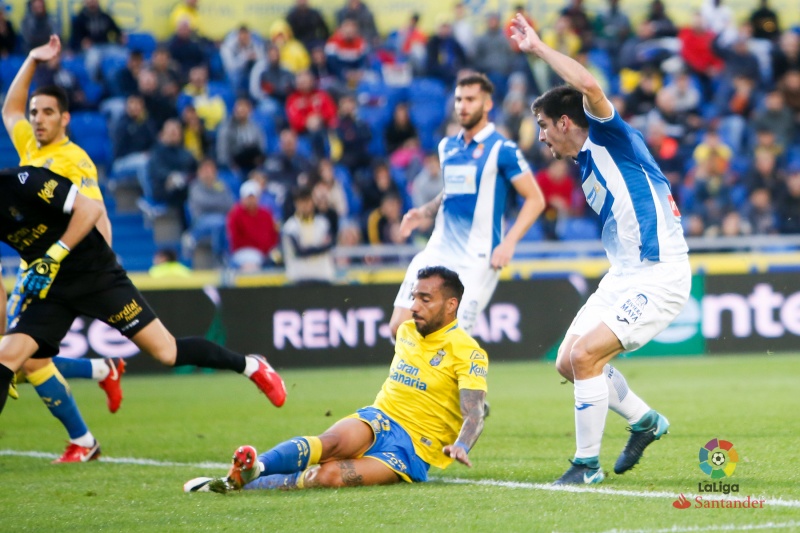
(108, 295)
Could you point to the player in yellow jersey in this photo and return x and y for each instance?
(42, 141)
(429, 411)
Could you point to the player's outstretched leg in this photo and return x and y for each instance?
(646, 425)
(107, 372)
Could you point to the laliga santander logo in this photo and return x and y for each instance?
(718, 458)
(681, 503)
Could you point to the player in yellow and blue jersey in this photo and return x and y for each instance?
(42, 142)
(429, 411)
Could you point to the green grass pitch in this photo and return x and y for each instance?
(751, 401)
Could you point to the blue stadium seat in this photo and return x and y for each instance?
(267, 123)
(8, 154)
(143, 42)
(353, 200)
(427, 90)
(110, 65)
(9, 66)
(578, 229)
(89, 130)
(76, 66)
(224, 91)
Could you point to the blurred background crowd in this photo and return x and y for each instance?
(274, 145)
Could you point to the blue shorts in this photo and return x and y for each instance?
(392, 446)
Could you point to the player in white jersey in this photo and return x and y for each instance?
(650, 278)
(479, 166)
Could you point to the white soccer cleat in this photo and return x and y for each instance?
(198, 484)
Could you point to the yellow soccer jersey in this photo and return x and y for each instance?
(422, 390)
(64, 157)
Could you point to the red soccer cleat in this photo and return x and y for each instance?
(111, 384)
(269, 381)
(245, 467)
(79, 454)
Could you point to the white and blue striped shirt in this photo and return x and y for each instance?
(623, 184)
(477, 177)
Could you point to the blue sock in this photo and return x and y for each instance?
(73, 368)
(646, 422)
(274, 481)
(291, 456)
(591, 462)
(56, 395)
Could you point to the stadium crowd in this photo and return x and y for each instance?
(341, 123)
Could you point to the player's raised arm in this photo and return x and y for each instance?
(17, 98)
(472, 411)
(572, 72)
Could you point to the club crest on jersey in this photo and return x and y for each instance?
(15, 214)
(438, 358)
(23, 177)
(632, 309)
(478, 152)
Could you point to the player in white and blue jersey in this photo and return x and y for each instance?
(650, 278)
(479, 168)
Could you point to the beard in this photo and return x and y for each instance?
(471, 120)
(435, 323)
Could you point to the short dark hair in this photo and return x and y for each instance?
(476, 78)
(451, 283)
(559, 101)
(302, 193)
(56, 92)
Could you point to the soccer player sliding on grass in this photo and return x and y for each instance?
(428, 412)
(650, 277)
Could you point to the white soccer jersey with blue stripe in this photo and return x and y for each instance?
(623, 184)
(477, 177)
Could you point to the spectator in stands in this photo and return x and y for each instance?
(612, 28)
(273, 195)
(383, 223)
(346, 51)
(765, 23)
(326, 79)
(185, 13)
(411, 41)
(789, 203)
(325, 174)
(166, 265)
(196, 139)
(8, 37)
(698, 54)
(310, 110)
(718, 18)
(760, 213)
(676, 123)
(694, 226)
(493, 55)
(252, 232)
(168, 74)
(463, 32)
(270, 83)
(666, 151)
(126, 80)
(714, 151)
(186, 49)
(53, 73)
(37, 25)
(685, 95)
(322, 205)
(159, 107)
(662, 24)
(361, 14)
(95, 34)
(776, 117)
(294, 56)
(643, 98)
(170, 168)
(349, 235)
(563, 38)
(579, 21)
(134, 136)
(735, 103)
(211, 109)
(786, 56)
(560, 194)
(354, 135)
(733, 225)
(285, 166)
(428, 183)
(764, 173)
(789, 86)
(739, 60)
(209, 201)
(307, 243)
(444, 56)
(308, 24)
(400, 129)
(380, 184)
(240, 50)
(241, 144)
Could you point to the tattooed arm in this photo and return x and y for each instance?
(472, 411)
(420, 216)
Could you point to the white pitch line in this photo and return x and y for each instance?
(720, 527)
(779, 502)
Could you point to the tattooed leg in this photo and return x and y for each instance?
(350, 473)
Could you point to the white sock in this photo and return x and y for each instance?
(621, 399)
(591, 407)
(250, 366)
(100, 369)
(87, 440)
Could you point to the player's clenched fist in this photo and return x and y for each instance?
(40, 273)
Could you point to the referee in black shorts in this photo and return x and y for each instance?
(71, 271)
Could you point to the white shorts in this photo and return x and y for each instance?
(479, 282)
(638, 305)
